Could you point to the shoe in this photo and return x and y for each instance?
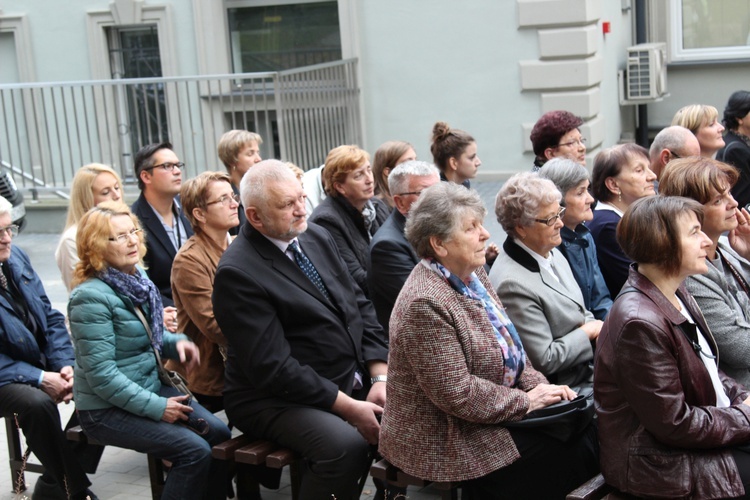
(47, 489)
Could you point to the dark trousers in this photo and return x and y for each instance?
(335, 454)
(548, 468)
(40, 421)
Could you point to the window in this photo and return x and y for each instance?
(284, 35)
(704, 30)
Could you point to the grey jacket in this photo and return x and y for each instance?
(726, 308)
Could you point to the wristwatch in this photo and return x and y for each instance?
(379, 378)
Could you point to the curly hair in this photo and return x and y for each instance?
(518, 201)
(549, 129)
(738, 106)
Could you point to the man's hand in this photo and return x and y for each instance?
(66, 372)
(170, 318)
(360, 414)
(377, 394)
(57, 387)
(190, 356)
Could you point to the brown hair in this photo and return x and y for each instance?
(341, 161)
(696, 177)
(385, 158)
(447, 143)
(194, 192)
(550, 128)
(609, 163)
(648, 232)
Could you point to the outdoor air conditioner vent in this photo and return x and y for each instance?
(646, 73)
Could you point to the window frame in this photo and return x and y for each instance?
(680, 54)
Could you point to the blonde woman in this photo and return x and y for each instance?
(702, 121)
(238, 151)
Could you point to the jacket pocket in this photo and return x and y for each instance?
(658, 472)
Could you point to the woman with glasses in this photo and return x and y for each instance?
(115, 320)
(703, 121)
(557, 134)
(535, 283)
(622, 175)
(210, 205)
(671, 423)
(92, 184)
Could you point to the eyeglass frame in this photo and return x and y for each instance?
(674, 155)
(550, 221)
(224, 200)
(168, 166)
(581, 141)
(123, 238)
(11, 229)
(417, 193)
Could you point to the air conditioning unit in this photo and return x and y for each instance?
(645, 77)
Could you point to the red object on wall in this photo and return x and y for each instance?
(606, 27)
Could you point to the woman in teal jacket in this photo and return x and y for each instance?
(118, 395)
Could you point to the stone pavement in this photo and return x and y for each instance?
(123, 474)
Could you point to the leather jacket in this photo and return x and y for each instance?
(660, 431)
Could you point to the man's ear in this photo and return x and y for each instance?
(145, 176)
(253, 217)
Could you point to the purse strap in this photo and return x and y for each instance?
(737, 275)
(142, 317)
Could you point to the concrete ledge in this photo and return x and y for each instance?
(565, 74)
(533, 13)
(583, 103)
(569, 42)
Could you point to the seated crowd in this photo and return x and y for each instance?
(376, 319)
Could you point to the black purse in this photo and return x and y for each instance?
(562, 420)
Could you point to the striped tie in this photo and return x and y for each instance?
(3, 279)
(308, 268)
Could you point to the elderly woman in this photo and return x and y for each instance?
(622, 175)
(115, 320)
(457, 370)
(670, 422)
(238, 151)
(210, 205)
(737, 139)
(702, 121)
(722, 292)
(557, 134)
(92, 184)
(349, 212)
(535, 282)
(388, 155)
(578, 247)
(454, 153)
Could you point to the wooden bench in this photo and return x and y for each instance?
(391, 474)
(17, 460)
(597, 488)
(155, 465)
(242, 450)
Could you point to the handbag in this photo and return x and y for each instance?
(562, 420)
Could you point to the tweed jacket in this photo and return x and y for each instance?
(579, 249)
(726, 308)
(612, 260)
(193, 272)
(660, 431)
(347, 227)
(446, 403)
(548, 314)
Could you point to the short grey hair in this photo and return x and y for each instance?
(518, 201)
(398, 179)
(5, 206)
(438, 212)
(565, 173)
(672, 138)
(254, 184)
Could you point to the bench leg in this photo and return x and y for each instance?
(156, 475)
(15, 457)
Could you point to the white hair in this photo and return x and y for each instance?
(5, 206)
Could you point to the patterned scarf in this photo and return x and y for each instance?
(140, 290)
(368, 214)
(505, 332)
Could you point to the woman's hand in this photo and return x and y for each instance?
(170, 318)
(592, 328)
(190, 356)
(491, 253)
(739, 237)
(175, 410)
(547, 394)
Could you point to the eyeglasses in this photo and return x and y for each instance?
(123, 238)
(416, 193)
(11, 230)
(550, 221)
(581, 141)
(674, 155)
(225, 200)
(169, 167)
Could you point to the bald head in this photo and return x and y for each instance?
(672, 142)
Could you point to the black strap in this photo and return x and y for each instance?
(737, 275)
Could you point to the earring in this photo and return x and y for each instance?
(619, 196)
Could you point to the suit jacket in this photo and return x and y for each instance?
(159, 249)
(548, 314)
(660, 431)
(288, 344)
(613, 262)
(443, 419)
(392, 259)
(347, 227)
(22, 358)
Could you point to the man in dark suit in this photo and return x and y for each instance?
(159, 173)
(391, 257)
(307, 359)
(36, 368)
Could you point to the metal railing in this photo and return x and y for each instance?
(49, 130)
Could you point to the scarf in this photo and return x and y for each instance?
(140, 290)
(505, 332)
(368, 214)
